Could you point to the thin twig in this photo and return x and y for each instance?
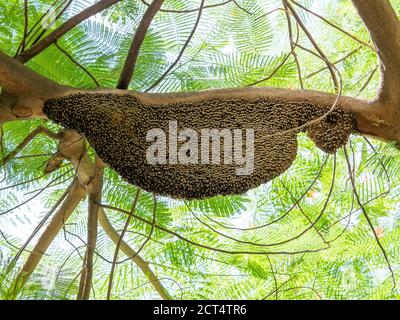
(365, 213)
(127, 223)
(370, 77)
(282, 216)
(216, 249)
(26, 141)
(50, 23)
(334, 25)
(77, 63)
(36, 195)
(314, 43)
(25, 24)
(182, 50)
(130, 62)
(274, 71)
(336, 62)
(33, 28)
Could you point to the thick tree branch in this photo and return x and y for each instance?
(94, 198)
(130, 62)
(17, 79)
(23, 90)
(372, 118)
(60, 217)
(72, 147)
(64, 28)
(384, 27)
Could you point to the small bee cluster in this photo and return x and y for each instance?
(116, 125)
(333, 132)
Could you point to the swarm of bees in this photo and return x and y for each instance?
(116, 126)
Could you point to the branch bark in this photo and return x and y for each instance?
(384, 27)
(24, 91)
(130, 62)
(64, 28)
(95, 194)
(75, 196)
(15, 78)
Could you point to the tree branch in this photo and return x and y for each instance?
(130, 62)
(129, 252)
(364, 211)
(74, 61)
(132, 254)
(61, 216)
(314, 43)
(334, 25)
(25, 24)
(384, 27)
(376, 118)
(372, 117)
(215, 249)
(293, 44)
(23, 90)
(94, 198)
(53, 21)
(72, 147)
(118, 245)
(17, 79)
(32, 32)
(64, 28)
(27, 140)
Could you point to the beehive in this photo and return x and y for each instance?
(116, 126)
